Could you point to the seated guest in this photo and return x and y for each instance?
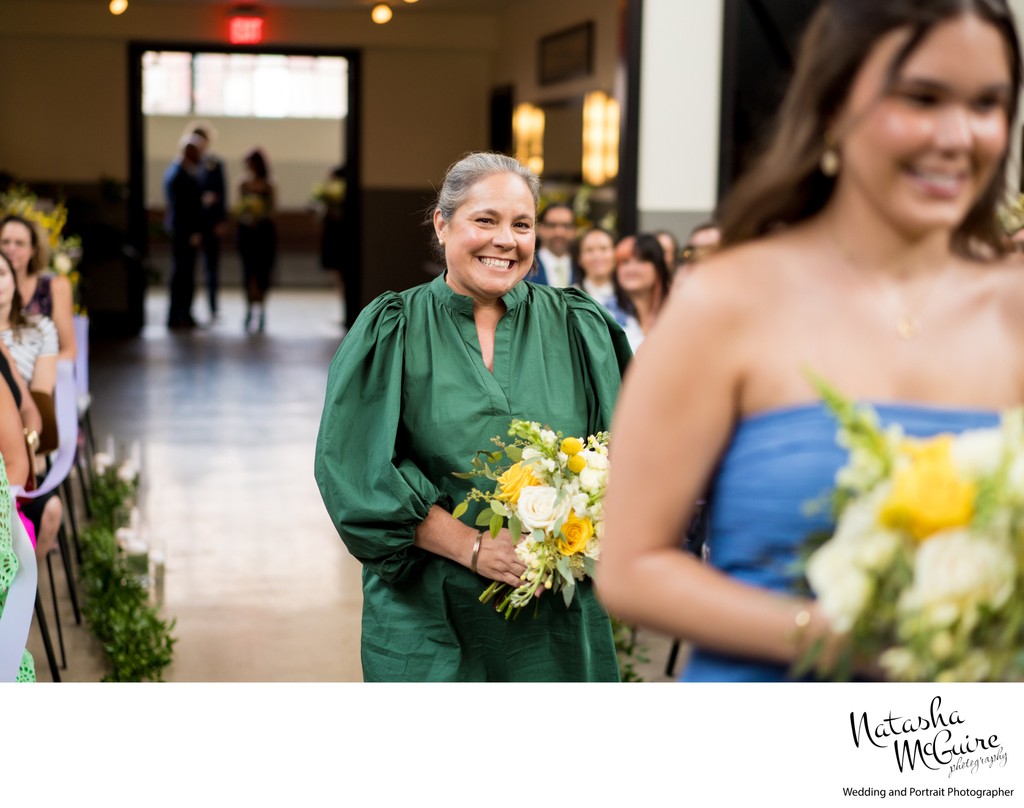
(593, 256)
(668, 243)
(14, 470)
(32, 344)
(641, 285)
(555, 229)
(45, 293)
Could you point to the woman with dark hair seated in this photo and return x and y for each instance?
(641, 283)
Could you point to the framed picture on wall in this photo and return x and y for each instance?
(567, 54)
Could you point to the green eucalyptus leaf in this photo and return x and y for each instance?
(483, 519)
(497, 522)
(460, 509)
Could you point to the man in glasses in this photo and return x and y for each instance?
(555, 230)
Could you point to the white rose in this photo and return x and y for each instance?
(840, 585)
(978, 452)
(955, 572)
(537, 509)
(592, 480)
(62, 263)
(1015, 480)
(900, 663)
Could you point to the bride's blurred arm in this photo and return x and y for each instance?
(675, 416)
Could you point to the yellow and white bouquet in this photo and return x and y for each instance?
(550, 491)
(923, 573)
(250, 208)
(330, 193)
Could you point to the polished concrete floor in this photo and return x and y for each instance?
(259, 583)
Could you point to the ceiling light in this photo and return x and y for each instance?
(381, 13)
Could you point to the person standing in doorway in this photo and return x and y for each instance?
(184, 225)
(257, 236)
(212, 182)
(330, 199)
(555, 229)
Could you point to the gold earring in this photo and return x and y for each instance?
(829, 163)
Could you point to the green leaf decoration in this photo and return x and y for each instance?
(515, 527)
(483, 519)
(514, 453)
(497, 522)
(460, 509)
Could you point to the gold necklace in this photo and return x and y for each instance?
(908, 321)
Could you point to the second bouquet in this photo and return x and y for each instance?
(549, 490)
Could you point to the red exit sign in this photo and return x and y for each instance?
(245, 30)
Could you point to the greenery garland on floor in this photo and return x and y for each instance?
(137, 642)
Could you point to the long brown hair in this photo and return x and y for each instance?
(785, 184)
(16, 319)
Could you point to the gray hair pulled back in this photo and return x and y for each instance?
(469, 170)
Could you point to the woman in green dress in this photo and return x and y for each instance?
(422, 381)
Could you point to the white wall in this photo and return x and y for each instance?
(680, 78)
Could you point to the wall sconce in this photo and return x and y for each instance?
(528, 132)
(600, 138)
(381, 13)
(118, 7)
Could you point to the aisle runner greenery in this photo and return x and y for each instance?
(137, 642)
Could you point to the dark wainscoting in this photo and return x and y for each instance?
(397, 246)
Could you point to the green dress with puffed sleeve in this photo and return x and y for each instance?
(409, 401)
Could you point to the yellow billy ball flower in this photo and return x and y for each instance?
(576, 533)
(576, 464)
(572, 446)
(513, 481)
(928, 495)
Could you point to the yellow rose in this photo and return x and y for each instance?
(572, 446)
(513, 481)
(928, 495)
(576, 533)
(577, 463)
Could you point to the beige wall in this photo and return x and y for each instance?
(517, 58)
(426, 77)
(426, 82)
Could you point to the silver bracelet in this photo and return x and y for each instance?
(476, 550)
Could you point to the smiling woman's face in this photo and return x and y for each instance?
(16, 242)
(920, 150)
(6, 283)
(489, 242)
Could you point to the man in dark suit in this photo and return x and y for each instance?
(184, 225)
(555, 230)
(214, 213)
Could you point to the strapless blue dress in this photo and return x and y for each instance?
(777, 463)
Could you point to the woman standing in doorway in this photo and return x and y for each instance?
(257, 237)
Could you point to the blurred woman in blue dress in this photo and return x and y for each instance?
(863, 246)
